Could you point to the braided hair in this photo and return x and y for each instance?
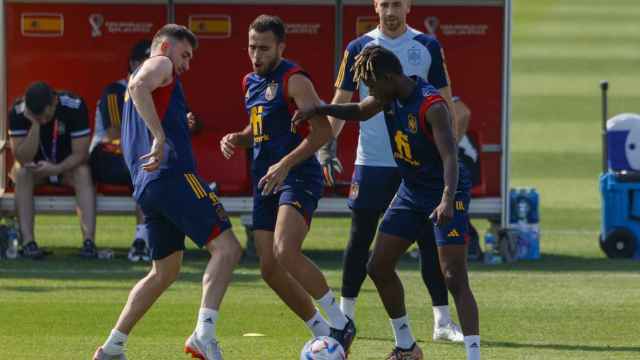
(373, 62)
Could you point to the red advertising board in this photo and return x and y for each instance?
(82, 47)
(76, 47)
(213, 85)
(472, 37)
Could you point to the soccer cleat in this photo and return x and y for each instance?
(203, 351)
(100, 355)
(345, 336)
(139, 251)
(89, 249)
(449, 332)
(415, 353)
(33, 251)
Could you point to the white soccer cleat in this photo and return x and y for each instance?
(100, 355)
(202, 351)
(449, 332)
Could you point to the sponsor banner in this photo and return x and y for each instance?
(210, 26)
(42, 24)
(99, 26)
(302, 29)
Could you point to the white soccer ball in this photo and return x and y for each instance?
(322, 348)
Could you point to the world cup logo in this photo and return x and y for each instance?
(431, 24)
(96, 21)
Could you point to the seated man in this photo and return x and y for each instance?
(49, 137)
(106, 161)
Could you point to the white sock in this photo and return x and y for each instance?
(115, 343)
(472, 345)
(318, 325)
(330, 306)
(348, 306)
(141, 232)
(402, 332)
(441, 315)
(206, 326)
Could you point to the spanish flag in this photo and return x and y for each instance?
(40, 24)
(210, 26)
(366, 24)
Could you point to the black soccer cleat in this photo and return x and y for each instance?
(89, 249)
(345, 336)
(33, 251)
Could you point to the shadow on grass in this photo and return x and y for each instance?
(562, 347)
(519, 345)
(65, 264)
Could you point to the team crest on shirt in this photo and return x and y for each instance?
(414, 56)
(272, 90)
(354, 191)
(413, 124)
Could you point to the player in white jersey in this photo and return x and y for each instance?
(376, 178)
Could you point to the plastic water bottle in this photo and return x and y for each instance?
(12, 239)
(490, 249)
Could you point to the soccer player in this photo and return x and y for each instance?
(287, 179)
(424, 148)
(174, 200)
(106, 160)
(376, 177)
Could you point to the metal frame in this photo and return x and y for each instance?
(3, 97)
(494, 209)
(257, 2)
(479, 208)
(506, 116)
(438, 2)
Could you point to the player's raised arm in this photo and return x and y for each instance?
(361, 111)
(153, 73)
(438, 117)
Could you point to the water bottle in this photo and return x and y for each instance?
(534, 201)
(490, 249)
(12, 246)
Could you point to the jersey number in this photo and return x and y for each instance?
(256, 124)
(403, 148)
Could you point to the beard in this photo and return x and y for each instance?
(266, 68)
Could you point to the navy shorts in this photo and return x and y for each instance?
(179, 205)
(265, 208)
(404, 220)
(373, 187)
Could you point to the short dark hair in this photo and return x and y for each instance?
(140, 51)
(38, 96)
(374, 62)
(176, 32)
(264, 23)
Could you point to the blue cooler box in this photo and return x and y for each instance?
(620, 188)
(620, 229)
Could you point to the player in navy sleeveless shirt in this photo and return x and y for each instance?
(287, 178)
(174, 200)
(434, 189)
